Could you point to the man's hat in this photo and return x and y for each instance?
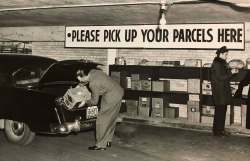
(223, 49)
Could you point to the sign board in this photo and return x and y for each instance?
(172, 36)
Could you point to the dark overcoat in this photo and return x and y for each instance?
(220, 81)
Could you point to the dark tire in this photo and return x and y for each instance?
(18, 133)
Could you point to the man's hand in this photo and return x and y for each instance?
(82, 104)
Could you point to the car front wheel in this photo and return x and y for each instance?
(18, 132)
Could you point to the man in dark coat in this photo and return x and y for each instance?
(101, 84)
(221, 90)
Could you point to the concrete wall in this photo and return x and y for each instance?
(57, 51)
(49, 41)
(135, 55)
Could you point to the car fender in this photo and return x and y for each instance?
(30, 106)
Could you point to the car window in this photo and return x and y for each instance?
(26, 75)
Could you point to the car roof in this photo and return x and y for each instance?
(79, 62)
(9, 62)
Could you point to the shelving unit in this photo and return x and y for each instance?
(170, 98)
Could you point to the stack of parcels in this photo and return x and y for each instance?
(177, 84)
(144, 106)
(193, 85)
(193, 111)
(179, 109)
(192, 63)
(146, 85)
(171, 63)
(132, 107)
(135, 82)
(157, 107)
(138, 84)
(171, 112)
(237, 115)
(161, 86)
(208, 115)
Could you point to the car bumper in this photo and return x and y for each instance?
(69, 127)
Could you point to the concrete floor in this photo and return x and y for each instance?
(147, 144)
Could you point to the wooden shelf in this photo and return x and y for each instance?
(156, 73)
(171, 96)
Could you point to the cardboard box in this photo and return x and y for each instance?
(207, 119)
(210, 120)
(194, 117)
(194, 97)
(192, 63)
(144, 106)
(208, 110)
(161, 85)
(157, 107)
(135, 77)
(157, 112)
(243, 115)
(146, 85)
(132, 107)
(182, 109)
(237, 115)
(170, 63)
(193, 85)
(171, 112)
(136, 85)
(194, 111)
(157, 103)
(178, 85)
(193, 106)
(143, 112)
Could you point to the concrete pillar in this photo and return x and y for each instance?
(112, 53)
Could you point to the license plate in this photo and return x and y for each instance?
(91, 112)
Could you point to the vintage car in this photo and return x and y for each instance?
(30, 87)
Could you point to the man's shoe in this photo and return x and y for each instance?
(96, 148)
(109, 144)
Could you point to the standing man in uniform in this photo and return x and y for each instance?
(221, 90)
(101, 84)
